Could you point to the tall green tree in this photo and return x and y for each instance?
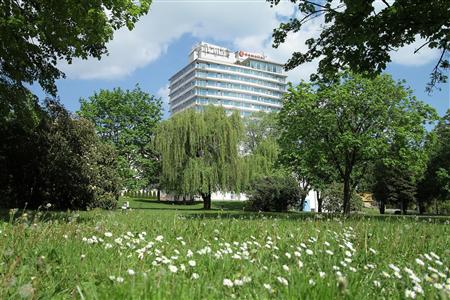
(435, 185)
(360, 35)
(127, 119)
(351, 123)
(199, 153)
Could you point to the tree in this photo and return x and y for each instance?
(360, 35)
(199, 153)
(36, 34)
(127, 119)
(60, 160)
(394, 185)
(259, 127)
(332, 199)
(435, 185)
(351, 123)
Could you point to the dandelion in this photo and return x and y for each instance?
(329, 252)
(376, 283)
(438, 286)
(309, 252)
(297, 254)
(418, 289)
(159, 238)
(286, 268)
(393, 267)
(268, 287)
(112, 277)
(189, 253)
(282, 280)
(247, 279)
(373, 251)
(192, 263)
(385, 274)
(108, 234)
(322, 274)
(435, 256)
(195, 276)
(119, 279)
(312, 282)
(82, 256)
(288, 255)
(410, 294)
(131, 272)
(173, 269)
(227, 282)
(238, 282)
(420, 262)
(326, 244)
(300, 264)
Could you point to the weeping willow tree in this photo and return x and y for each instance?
(200, 153)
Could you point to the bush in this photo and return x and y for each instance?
(273, 193)
(333, 202)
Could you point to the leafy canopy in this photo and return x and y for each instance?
(199, 152)
(127, 119)
(36, 34)
(358, 36)
(351, 123)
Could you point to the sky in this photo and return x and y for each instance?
(160, 43)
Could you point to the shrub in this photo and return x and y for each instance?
(333, 199)
(273, 193)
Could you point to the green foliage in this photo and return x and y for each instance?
(435, 185)
(60, 161)
(351, 123)
(333, 201)
(199, 152)
(276, 192)
(127, 120)
(394, 186)
(357, 36)
(36, 34)
(258, 127)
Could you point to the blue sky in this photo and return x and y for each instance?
(158, 47)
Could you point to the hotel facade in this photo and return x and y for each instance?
(239, 81)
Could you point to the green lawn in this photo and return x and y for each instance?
(170, 251)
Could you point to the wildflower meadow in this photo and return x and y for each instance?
(162, 251)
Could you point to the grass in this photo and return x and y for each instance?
(237, 254)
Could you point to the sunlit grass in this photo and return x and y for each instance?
(165, 251)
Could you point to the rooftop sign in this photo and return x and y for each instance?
(206, 48)
(250, 55)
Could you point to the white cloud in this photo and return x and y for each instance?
(405, 56)
(163, 92)
(245, 24)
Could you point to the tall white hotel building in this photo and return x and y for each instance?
(241, 80)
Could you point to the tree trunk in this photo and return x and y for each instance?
(382, 207)
(206, 201)
(319, 202)
(158, 195)
(347, 195)
(404, 206)
(302, 202)
(420, 207)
